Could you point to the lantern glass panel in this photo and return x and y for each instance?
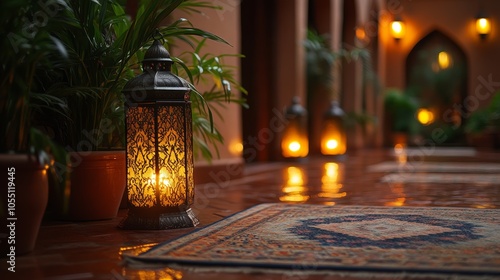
(295, 142)
(333, 138)
(159, 174)
(141, 190)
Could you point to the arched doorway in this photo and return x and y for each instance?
(436, 72)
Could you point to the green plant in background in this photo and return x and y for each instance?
(486, 119)
(26, 44)
(320, 60)
(105, 47)
(401, 109)
(205, 68)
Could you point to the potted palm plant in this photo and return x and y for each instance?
(25, 152)
(400, 109)
(483, 125)
(105, 46)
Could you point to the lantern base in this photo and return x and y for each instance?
(296, 159)
(339, 157)
(181, 219)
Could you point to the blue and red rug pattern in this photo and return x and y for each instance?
(343, 238)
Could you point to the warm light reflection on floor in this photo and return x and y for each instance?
(146, 272)
(135, 250)
(398, 190)
(330, 186)
(401, 154)
(294, 189)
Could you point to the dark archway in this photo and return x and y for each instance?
(436, 75)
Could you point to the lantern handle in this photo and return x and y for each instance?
(158, 36)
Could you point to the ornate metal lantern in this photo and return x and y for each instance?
(295, 142)
(159, 140)
(333, 135)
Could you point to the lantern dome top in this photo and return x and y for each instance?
(157, 82)
(296, 109)
(157, 52)
(334, 110)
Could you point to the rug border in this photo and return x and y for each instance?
(217, 265)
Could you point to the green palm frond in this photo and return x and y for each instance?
(104, 49)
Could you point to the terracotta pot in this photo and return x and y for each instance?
(97, 185)
(28, 196)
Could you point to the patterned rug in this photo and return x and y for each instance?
(328, 239)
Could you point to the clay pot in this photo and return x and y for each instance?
(97, 185)
(26, 198)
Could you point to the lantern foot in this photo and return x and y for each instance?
(170, 220)
(337, 157)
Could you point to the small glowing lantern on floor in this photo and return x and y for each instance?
(295, 143)
(333, 135)
(159, 140)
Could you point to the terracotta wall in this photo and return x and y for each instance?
(456, 19)
(286, 22)
(226, 24)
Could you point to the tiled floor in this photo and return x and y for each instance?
(443, 178)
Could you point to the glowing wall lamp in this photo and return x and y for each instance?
(159, 143)
(295, 143)
(483, 26)
(398, 29)
(333, 135)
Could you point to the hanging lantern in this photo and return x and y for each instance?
(333, 135)
(159, 143)
(295, 143)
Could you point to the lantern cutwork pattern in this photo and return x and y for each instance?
(159, 143)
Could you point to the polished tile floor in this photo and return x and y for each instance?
(447, 177)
